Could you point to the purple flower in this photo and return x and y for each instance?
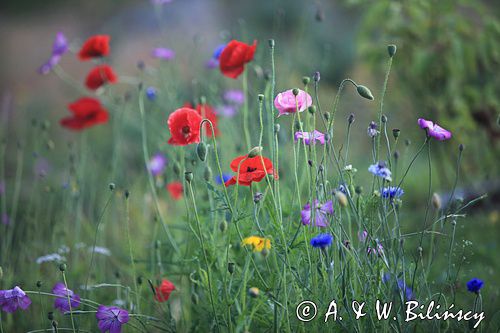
(59, 48)
(434, 130)
(287, 103)
(474, 285)
(234, 96)
(2, 187)
(12, 299)
(322, 241)
(214, 61)
(111, 318)
(392, 192)
(372, 129)
(61, 302)
(225, 110)
(157, 164)
(160, 2)
(5, 219)
(379, 249)
(407, 290)
(362, 235)
(310, 137)
(163, 53)
(381, 170)
(151, 93)
(320, 214)
(225, 178)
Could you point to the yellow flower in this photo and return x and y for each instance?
(258, 243)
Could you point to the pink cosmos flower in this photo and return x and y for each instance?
(310, 138)
(286, 102)
(163, 53)
(434, 130)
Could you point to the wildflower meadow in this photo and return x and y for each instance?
(283, 169)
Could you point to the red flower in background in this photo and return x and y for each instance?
(99, 76)
(184, 126)
(175, 189)
(95, 47)
(164, 290)
(206, 112)
(251, 170)
(87, 112)
(234, 57)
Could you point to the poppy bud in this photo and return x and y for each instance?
(306, 80)
(364, 92)
(321, 168)
(139, 280)
(436, 201)
(231, 267)
(341, 197)
(351, 118)
(177, 168)
(310, 162)
(298, 125)
(295, 91)
(358, 189)
(326, 115)
(195, 298)
(117, 275)
(312, 109)
(62, 267)
(276, 128)
(111, 186)
(254, 292)
(50, 315)
(395, 133)
(51, 145)
(261, 97)
(207, 174)
(127, 194)
(383, 118)
(223, 226)
(316, 77)
(396, 154)
(258, 197)
(39, 284)
(188, 176)
(254, 151)
(461, 147)
(201, 150)
(271, 43)
(391, 49)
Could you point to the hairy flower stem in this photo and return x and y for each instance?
(382, 96)
(145, 152)
(202, 243)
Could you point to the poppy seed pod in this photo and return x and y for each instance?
(201, 151)
(306, 80)
(254, 151)
(312, 109)
(391, 49)
(364, 92)
(188, 176)
(436, 201)
(111, 186)
(261, 97)
(351, 118)
(295, 91)
(395, 133)
(62, 267)
(271, 43)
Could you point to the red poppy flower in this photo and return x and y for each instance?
(184, 125)
(251, 170)
(175, 189)
(99, 76)
(164, 290)
(87, 112)
(206, 112)
(94, 47)
(234, 57)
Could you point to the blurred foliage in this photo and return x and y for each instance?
(448, 58)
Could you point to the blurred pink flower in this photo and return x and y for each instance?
(163, 53)
(434, 130)
(287, 103)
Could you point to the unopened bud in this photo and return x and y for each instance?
(312, 109)
(201, 151)
(188, 176)
(276, 128)
(306, 80)
(231, 267)
(127, 194)
(436, 201)
(341, 198)
(326, 115)
(177, 168)
(395, 133)
(295, 91)
(223, 226)
(62, 267)
(310, 162)
(261, 97)
(254, 292)
(391, 49)
(316, 77)
(207, 174)
(358, 189)
(364, 92)
(39, 284)
(264, 252)
(407, 142)
(271, 43)
(50, 315)
(461, 147)
(111, 186)
(383, 118)
(258, 197)
(298, 125)
(254, 151)
(396, 155)
(351, 118)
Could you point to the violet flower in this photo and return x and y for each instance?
(381, 170)
(434, 130)
(59, 48)
(287, 103)
(392, 192)
(61, 302)
(163, 53)
(111, 318)
(310, 137)
(362, 235)
(322, 241)
(226, 111)
(13, 299)
(320, 215)
(372, 129)
(157, 164)
(234, 96)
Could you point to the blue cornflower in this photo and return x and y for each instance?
(474, 285)
(392, 192)
(151, 93)
(218, 51)
(322, 240)
(381, 170)
(225, 178)
(407, 290)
